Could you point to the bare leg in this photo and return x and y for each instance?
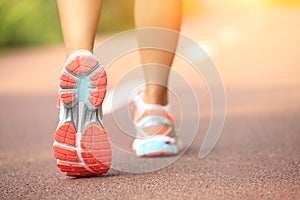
(162, 14)
(79, 21)
(80, 100)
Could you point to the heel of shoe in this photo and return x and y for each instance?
(83, 79)
(85, 155)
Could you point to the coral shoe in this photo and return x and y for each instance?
(81, 145)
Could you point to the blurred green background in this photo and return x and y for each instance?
(36, 22)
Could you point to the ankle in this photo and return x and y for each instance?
(72, 50)
(81, 51)
(156, 94)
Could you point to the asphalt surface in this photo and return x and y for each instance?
(257, 156)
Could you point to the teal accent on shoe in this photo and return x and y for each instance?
(152, 120)
(82, 88)
(158, 148)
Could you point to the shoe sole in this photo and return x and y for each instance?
(81, 145)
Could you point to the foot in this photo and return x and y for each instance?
(156, 134)
(81, 145)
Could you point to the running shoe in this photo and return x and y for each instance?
(155, 131)
(81, 145)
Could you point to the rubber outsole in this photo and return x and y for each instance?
(81, 145)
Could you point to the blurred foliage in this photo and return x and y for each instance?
(36, 22)
(28, 22)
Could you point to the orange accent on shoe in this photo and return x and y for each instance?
(98, 94)
(99, 80)
(74, 66)
(82, 65)
(88, 65)
(163, 130)
(133, 106)
(66, 81)
(68, 96)
(180, 147)
(75, 170)
(148, 113)
(64, 153)
(96, 152)
(66, 134)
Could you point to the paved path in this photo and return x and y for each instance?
(257, 156)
